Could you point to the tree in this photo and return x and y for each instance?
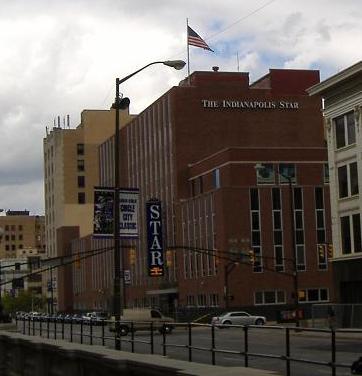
(24, 301)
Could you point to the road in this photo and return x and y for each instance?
(309, 346)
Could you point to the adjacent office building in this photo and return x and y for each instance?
(70, 174)
(342, 94)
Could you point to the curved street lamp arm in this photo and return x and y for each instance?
(121, 80)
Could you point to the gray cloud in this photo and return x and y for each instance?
(59, 57)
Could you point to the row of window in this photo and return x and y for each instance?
(278, 227)
(13, 237)
(13, 227)
(262, 297)
(267, 174)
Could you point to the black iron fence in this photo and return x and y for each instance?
(84, 331)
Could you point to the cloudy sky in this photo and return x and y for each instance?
(60, 57)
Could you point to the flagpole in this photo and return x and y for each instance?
(188, 48)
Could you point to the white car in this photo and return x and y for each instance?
(238, 318)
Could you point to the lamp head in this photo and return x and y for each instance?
(259, 167)
(177, 64)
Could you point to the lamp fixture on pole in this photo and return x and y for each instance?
(121, 103)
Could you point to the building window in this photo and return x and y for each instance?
(326, 173)
(80, 149)
(255, 229)
(351, 234)
(320, 228)
(345, 130)
(190, 300)
(269, 297)
(20, 237)
(286, 172)
(196, 186)
(20, 227)
(277, 230)
(81, 197)
(80, 165)
(7, 247)
(265, 174)
(81, 181)
(214, 300)
(348, 180)
(313, 295)
(299, 228)
(216, 178)
(201, 300)
(7, 238)
(6, 227)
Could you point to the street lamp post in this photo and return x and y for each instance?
(293, 247)
(118, 259)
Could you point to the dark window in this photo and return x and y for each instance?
(298, 200)
(340, 136)
(278, 239)
(254, 199)
(7, 238)
(353, 178)
(277, 220)
(81, 181)
(326, 173)
(255, 238)
(20, 246)
(321, 236)
(320, 219)
(81, 198)
(342, 181)
(80, 149)
(346, 235)
(216, 178)
(6, 227)
(323, 294)
(80, 165)
(351, 130)
(276, 198)
(20, 228)
(20, 237)
(357, 232)
(299, 237)
(13, 247)
(255, 220)
(12, 237)
(299, 219)
(319, 204)
(313, 295)
(7, 247)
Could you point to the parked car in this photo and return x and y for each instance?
(237, 318)
(76, 318)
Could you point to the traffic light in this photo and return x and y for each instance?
(321, 251)
(169, 258)
(252, 256)
(132, 256)
(77, 261)
(330, 251)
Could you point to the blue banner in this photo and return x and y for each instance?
(154, 238)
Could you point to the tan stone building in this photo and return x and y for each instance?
(70, 174)
(21, 232)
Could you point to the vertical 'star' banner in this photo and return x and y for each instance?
(154, 238)
(103, 218)
(128, 213)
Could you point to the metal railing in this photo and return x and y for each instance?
(84, 330)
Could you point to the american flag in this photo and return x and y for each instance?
(194, 39)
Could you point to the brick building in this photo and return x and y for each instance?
(195, 149)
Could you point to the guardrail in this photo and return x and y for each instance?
(84, 330)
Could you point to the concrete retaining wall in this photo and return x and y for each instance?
(21, 355)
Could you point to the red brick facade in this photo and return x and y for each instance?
(196, 149)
